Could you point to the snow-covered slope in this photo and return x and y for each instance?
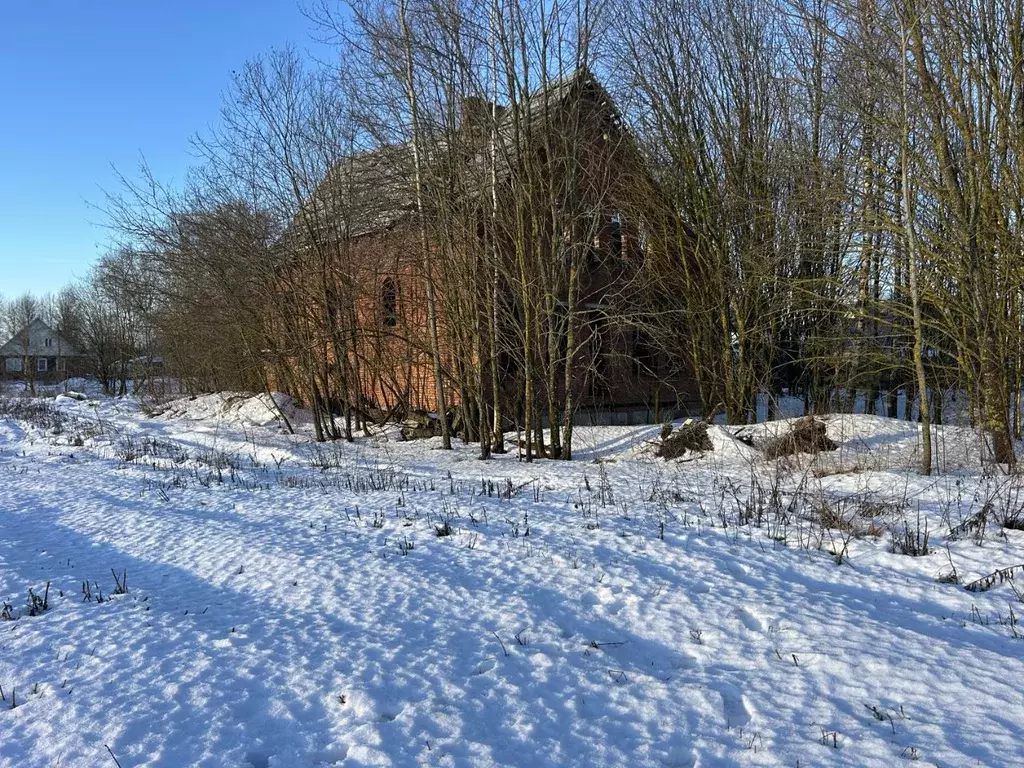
(392, 604)
(232, 407)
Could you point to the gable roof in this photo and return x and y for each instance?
(35, 334)
(361, 194)
(373, 191)
(547, 107)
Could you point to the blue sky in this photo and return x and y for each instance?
(89, 83)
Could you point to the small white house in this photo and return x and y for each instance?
(38, 352)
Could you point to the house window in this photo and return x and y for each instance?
(62, 364)
(48, 342)
(617, 236)
(642, 238)
(592, 239)
(645, 355)
(14, 365)
(42, 364)
(599, 384)
(389, 302)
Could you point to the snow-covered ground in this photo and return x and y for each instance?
(392, 604)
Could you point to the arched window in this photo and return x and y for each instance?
(389, 302)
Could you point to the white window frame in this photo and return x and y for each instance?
(13, 365)
(42, 365)
(62, 365)
(47, 342)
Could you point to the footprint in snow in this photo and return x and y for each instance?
(736, 568)
(485, 666)
(734, 705)
(680, 757)
(750, 620)
(614, 607)
(742, 572)
(390, 712)
(683, 661)
(331, 756)
(258, 759)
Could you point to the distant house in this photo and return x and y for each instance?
(145, 366)
(39, 353)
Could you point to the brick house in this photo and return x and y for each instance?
(625, 378)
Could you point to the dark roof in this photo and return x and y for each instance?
(373, 191)
(547, 105)
(362, 193)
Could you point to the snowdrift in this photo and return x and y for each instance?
(240, 408)
(879, 441)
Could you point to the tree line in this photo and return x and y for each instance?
(826, 201)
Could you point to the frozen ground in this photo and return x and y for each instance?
(294, 604)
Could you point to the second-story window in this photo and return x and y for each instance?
(48, 342)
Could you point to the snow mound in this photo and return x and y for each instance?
(727, 446)
(233, 407)
(71, 395)
(642, 443)
(880, 441)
